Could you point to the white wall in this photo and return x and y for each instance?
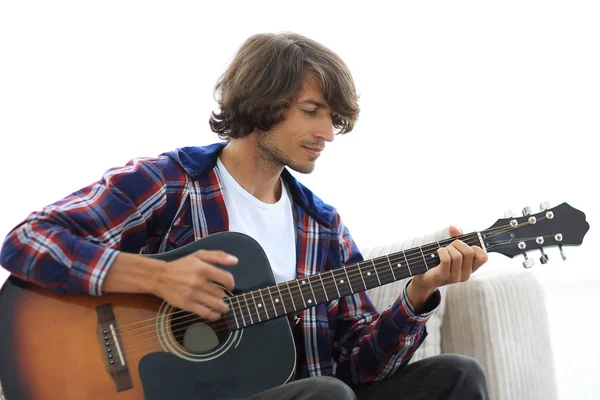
(468, 109)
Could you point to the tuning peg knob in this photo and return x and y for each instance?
(562, 253)
(528, 263)
(544, 257)
(544, 206)
(526, 211)
(509, 214)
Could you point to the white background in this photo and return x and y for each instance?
(468, 109)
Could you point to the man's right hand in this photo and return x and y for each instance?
(192, 283)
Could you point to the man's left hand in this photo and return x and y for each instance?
(457, 262)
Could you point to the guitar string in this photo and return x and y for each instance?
(221, 324)
(216, 328)
(418, 257)
(297, 290)
(178, 334)
(293, 287)
(217, 325)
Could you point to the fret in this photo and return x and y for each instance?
(430, 256)
(391, 267)
(335, 284)
(368, 275)
(315, 300)
(291, 297)
(265, 304)
(362, 278)
(241, 308)
(233, 311)
(248, 307)
(407, 265)
(255, 306)
(342, 284)
(300, 289)
(424, 259)
(276, 305)
(282, 300)
(323, 285)
(355, 278)
(376, 273)
(348, 279)
(260, 306)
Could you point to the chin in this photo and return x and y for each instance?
(303, 168)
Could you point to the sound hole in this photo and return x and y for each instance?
(198, 335)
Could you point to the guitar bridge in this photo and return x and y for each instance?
(112, 348)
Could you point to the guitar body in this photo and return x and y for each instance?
(56, 346)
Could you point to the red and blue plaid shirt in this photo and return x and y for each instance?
(153, 205)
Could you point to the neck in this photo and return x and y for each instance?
(251, 171)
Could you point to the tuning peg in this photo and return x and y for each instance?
(528, 263)
(562, 253)
(544, 206)
(526, 211)
(509, 214)
(544, 257)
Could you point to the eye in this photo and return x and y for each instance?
(311, 112)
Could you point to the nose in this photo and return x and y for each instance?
(324, 129)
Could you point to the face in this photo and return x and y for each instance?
(298, 140)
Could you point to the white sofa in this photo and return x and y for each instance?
(499, 318)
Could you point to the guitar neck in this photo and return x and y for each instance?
(285, 298)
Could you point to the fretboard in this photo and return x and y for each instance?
(261, 305)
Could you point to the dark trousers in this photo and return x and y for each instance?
(447, 376)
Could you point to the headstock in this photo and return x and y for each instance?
(560, 226)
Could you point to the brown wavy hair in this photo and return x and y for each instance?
(263, 77)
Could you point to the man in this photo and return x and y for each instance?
(279, 103)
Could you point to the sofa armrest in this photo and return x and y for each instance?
(501, 320)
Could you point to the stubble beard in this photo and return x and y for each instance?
(272, 157)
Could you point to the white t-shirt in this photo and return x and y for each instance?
(271, 225)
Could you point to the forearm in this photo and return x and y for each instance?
(132, 273)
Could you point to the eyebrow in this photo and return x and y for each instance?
(314, 102)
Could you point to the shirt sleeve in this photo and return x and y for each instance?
(371, 346)
(69, 246)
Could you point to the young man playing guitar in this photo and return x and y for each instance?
(280, 101)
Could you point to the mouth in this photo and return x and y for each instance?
(315, 151)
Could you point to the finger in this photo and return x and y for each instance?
(216, 257)
(215, 303)
(479, 258)
(202, 311)
(445, 263)
(213, 296)
(218, 275)
(456, 264)
(453, 231)
(468, 254)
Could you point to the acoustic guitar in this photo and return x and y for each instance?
(122, 346)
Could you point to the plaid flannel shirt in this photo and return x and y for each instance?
(157, 204)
